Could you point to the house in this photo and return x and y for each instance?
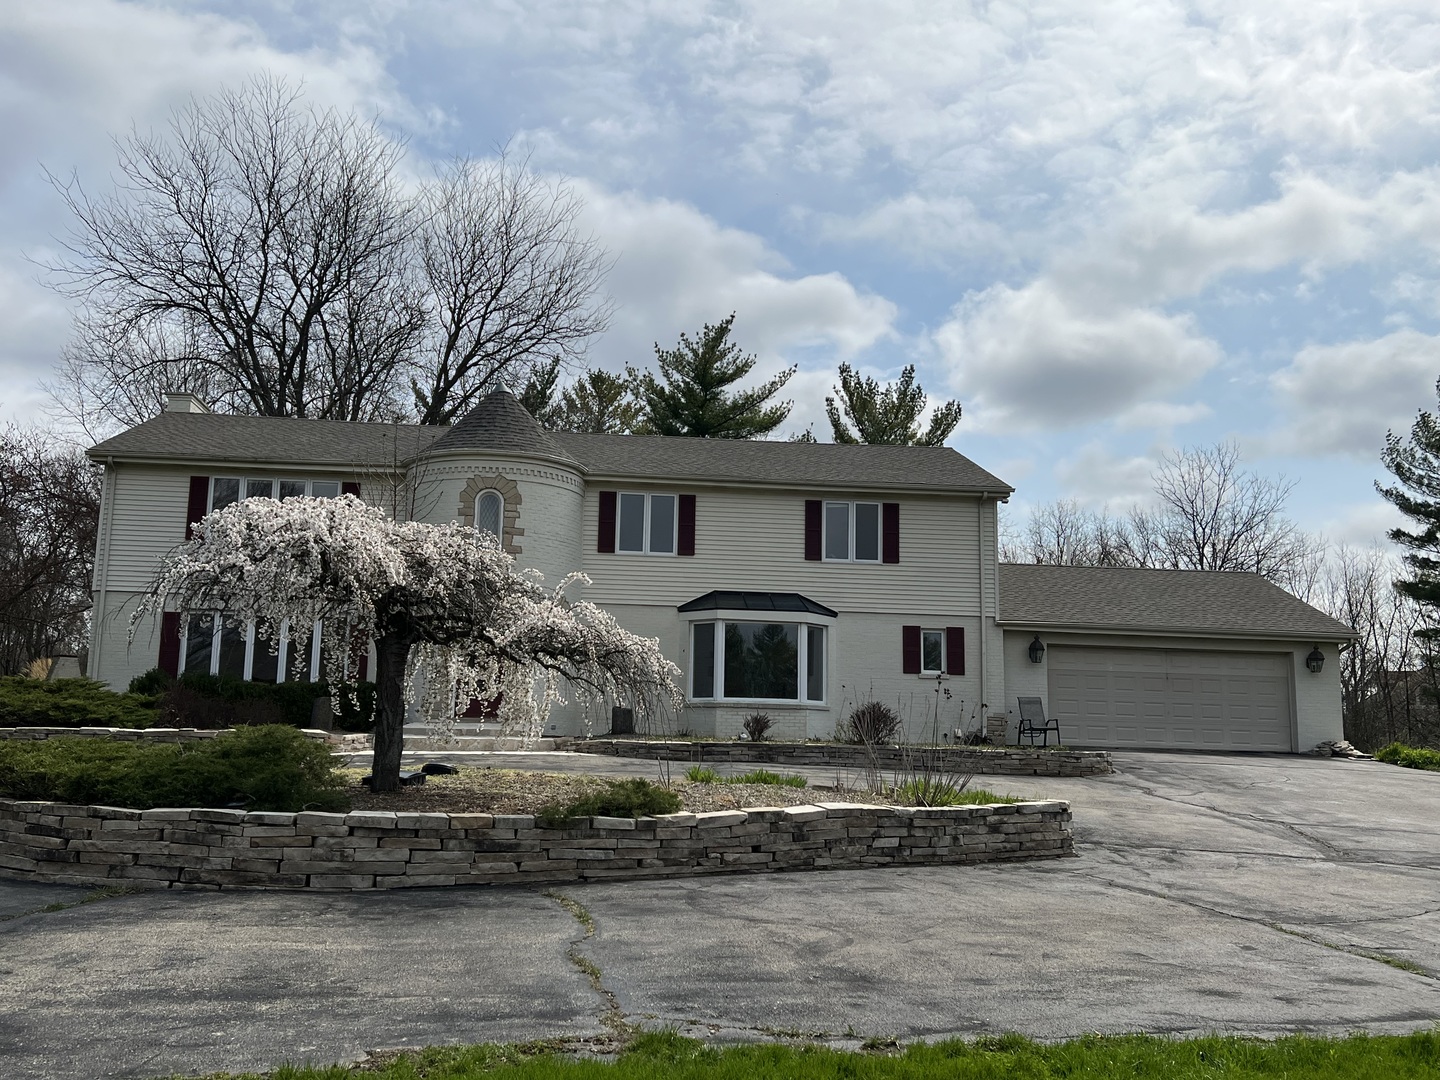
(797, 579)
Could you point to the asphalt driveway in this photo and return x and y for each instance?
(1230, 893)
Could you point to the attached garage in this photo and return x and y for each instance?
(1172, 698)
(1170, 659)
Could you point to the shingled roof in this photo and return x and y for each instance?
(500, 424)
(1160, 601)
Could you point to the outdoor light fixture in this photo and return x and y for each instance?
(1037, 650)
(1316, 660)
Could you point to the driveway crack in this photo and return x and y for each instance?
(612, 1017)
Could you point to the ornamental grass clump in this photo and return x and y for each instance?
(872, 723)
(1409, 757)
(273, 767)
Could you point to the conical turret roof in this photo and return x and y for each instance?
(500, 424)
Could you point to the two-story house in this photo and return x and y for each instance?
(797, 579)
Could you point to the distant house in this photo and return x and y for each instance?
(790, 578)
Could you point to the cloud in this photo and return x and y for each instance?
(1031, 359)
(1098, 478)
(677, 269)
(1341, 399)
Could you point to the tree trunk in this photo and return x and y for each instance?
(391, 652)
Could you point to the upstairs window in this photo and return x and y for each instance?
(645, 524)
(852, 532)
(225, 490)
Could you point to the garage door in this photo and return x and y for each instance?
(1162, 698)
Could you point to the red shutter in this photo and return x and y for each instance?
(199, 501)
(910, 649)
(890, 532)
(350, 487)
(812, 530)
(685, 542)
(169, 661)
(955, 650)
(605, 542)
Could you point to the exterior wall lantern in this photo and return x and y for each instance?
(1037, 650)
(1315, 661)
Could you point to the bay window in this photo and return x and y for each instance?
(757, 661)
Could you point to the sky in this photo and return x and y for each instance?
(1109, 229)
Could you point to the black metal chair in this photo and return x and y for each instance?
(1033, 724)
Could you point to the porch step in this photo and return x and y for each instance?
(473, 742)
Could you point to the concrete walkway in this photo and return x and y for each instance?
(1230, 893)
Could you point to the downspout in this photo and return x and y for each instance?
(102, 566)
(984, 706)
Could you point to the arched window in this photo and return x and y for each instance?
(489, 512)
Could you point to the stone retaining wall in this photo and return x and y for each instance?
(96, 845)
(990, 761)
(146, 735)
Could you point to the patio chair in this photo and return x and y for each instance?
(1033, 724)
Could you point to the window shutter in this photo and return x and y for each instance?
(910, 649)
(955, 650)
(169, 661)
(199, 500)
(685, 542)
(890, 532)
(605, 542)
(350, 487)
(812, 530)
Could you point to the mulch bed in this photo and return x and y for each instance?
(511, 791)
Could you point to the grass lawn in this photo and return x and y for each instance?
(1009, 1057)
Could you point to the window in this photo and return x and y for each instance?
(225, 490)
(852, 532)
(932, 652)
(757, 661)
(215, 649)
(489, 512)
(645, 524)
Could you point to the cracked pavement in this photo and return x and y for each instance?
(1236, 893)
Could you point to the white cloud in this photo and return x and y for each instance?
(677, 269)
(1099, 479)
(1341, 399)
(1362, 524)
(1030, 358)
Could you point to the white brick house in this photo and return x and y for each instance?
(795, 579)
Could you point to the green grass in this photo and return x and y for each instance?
(1409, 757)
(1135, 1057)
(704, 774)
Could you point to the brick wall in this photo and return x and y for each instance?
(996, 761)
(95, 845)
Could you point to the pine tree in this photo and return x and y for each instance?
(889, 414)
(692, 394)
(1415, 463)
(599, 404)
(538, 396)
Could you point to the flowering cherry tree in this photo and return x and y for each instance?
(446, 607)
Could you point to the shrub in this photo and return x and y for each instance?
(71, 703)
(870, 724)
(622, 798)
(756, 725)
(260, 768)
(152, 684)
(702, 774)
(1409, 757)
(764, 776)
(209, 702)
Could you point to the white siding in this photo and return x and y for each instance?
(119, 659)
(148, 521)
(754, 540)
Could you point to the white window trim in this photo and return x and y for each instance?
(720, 618)
(879, 531)
(475, 512)
(645, 538)
(245, 481)
(312, 662)
(933, 673)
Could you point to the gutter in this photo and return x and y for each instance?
(1130, 629)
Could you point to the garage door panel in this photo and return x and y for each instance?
(1171, 698)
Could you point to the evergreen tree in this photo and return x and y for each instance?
(538, 395)
(889, 414)
(599, 404)
(1415, 463)
(692, 395)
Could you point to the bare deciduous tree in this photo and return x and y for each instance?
(266, 256)
(49, 506)
(511, 281)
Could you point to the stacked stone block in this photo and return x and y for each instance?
(143, 735)
(215, 849)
